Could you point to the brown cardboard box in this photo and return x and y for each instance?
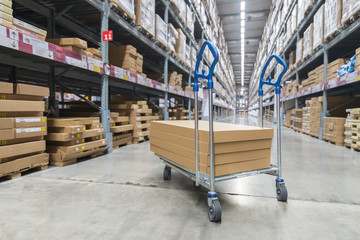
(77, 42)
(29, 27)
(74, 49)
(7, 134)
(95, 52)
(58, 159)
(223, 132)
(6, 123)
(7, 3)
(6, 9)
(30, 132)
(24, 163)
(21, 97)
(8, 106)
(68, 129)
(77, 148)
(20, 140)
(24, 122)
(6, 88)
(5, 23)
(21, 114)
(21, 149)
(7, 17)
(64, 122)
(123, 128)
(26, 89)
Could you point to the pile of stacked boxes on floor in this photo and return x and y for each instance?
(22, 128)
(352, 129)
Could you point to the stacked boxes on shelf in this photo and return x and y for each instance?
(121, 129)
(22, 128)
(72, 44)
(124, 56)
(140, 117)
(28, 29)
(318, 36)
(290, 89)
(173, 35)
(96, 54)
(315, 114)
(306, 117)
(182, 113)
(6, 13)
(299, 50)
(175, 80)
(316, 77)
(189, 19)
(126, 7)
(145, 15)
(308, 41)
(357, 61)
(333, 67)
(161, 31)
(352, 128)
(139, 63)
(287, 121)
(181, 45)
(71, 139)
(332, 17)
(297, 119)
(334, 129)
(173, 113)
(349, 9)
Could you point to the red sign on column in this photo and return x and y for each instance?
(107, 36)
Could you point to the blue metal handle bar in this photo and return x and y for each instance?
(197, 75)
(268, 82)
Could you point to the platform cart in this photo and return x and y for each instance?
(208, 181)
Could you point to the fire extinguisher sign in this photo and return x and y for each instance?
(107, 36)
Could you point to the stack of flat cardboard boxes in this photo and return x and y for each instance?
(334, 130)
(73, 44)
(182, 113)
(237, 148)
(29, 30)
(297, 119)
(306, 117)
(121, 129)
(6, 13)
(181, 45)
(333, 67)
(124, 56)
(71, 139)
(357, 61)
(315, 114)
(289, 89)
(96, 53)
(316, 77)
(22, 128)
(287, 121)
(145, 15)
(352, 128)
(139, 63)
(175, 80)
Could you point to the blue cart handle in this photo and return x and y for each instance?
(197, 75)
(268, 81)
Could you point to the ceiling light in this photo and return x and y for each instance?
(243, 23)
(242, 29)
(242, 35)
(242, 6)
(242, 14)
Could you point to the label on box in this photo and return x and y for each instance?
(43, 53)
(28, 130)
(28, 120)
(35, 42)
(96, 121)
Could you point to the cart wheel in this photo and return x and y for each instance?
(167, 173)
(281, 193)
(215, 212)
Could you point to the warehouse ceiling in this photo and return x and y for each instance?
(256, 12)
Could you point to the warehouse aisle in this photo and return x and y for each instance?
(123, 196)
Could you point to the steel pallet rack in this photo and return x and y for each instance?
(46, 64)
(343, 44)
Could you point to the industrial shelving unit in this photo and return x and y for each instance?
(50, 65)
(343, 44)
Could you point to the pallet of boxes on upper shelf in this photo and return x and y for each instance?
(126, 57)
(124, 8)
(22, 129)
(145, 16)
(71, 140)
(350, 11)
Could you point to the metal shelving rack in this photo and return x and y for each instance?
(343, 44)
(43, 64)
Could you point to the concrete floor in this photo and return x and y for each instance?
(123, 196)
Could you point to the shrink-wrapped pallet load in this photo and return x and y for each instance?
(145, 15)
(333, 15)
(318, 39)
(308, 41)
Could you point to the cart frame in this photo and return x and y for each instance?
(208, 180)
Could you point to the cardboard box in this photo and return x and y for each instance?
(181, 44)
(6, 123)
(5, 23)
(123, 128)
(145, 15)
(20, 140)
(8, 106)
(21, 149)
(160, 30)
(6, 17)
(77, 42)
(7, 3)
(333, 14)
(21, 114)
(77, 148)
(24, 163)
(26, 89)
(64, 122)
(223, 132)
(28, 33)
(68, 129)
(25, 122)
(6, 9)
(7, 134)
(58, 159)
(21, 97)
(30, 132)
(29, 27)
(318, 39)
(95, 52)
(6, 88)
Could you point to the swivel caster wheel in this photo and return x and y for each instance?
(281, 193)
(167, 173)
(215, 211)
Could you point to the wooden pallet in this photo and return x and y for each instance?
(161, 45)
(331, 36)
(146, 32)
(23, 172)
(77, 160)
(141, 139)
(335, 143)
(352, 148)
(351, 19)
(122, 12)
